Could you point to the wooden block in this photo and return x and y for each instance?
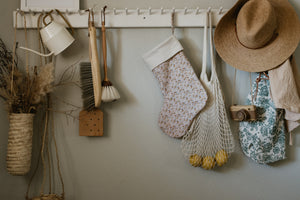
(91, 123)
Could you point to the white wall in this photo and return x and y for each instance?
(135, 160)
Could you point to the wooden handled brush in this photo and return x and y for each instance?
(91, 118)
(90, 72)
(95, 64)
(109, 92)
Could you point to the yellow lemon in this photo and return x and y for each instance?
(195, 160)
(208, 162)
(221, 157)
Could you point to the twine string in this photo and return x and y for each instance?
(258, 80)
(45, 146)
(56, 149)
(14, 53)
(26, 44)
(42, 152)
(41, 43)
(173, 22)
(67, 22)
(234, 87)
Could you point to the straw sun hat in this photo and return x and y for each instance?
(258, 35)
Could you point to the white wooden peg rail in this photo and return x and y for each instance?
(129, 18)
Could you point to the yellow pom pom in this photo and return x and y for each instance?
(221, 157)
(195, 160)
(208, 162)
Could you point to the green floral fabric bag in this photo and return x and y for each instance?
(264, 139)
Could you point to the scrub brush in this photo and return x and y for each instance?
(109, 92)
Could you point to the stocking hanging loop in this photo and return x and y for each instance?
(173, 21)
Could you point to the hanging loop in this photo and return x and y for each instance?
(173, 21)
(91, 13)
(48, 15)
(103, 14)
(67, 22)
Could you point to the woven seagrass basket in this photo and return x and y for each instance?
(18, 158)
(48, 197)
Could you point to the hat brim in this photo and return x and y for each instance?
(262, 59)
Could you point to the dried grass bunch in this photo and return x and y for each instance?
(23, 91)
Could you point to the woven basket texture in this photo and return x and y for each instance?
(18, 158)
(48, 197)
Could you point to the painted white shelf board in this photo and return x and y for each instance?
(129, 18)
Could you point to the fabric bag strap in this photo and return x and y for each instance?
(204, 53)
(203, 76)
(211, 48)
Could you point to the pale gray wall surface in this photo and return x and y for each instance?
(135, 160)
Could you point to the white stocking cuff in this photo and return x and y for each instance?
(161, 53)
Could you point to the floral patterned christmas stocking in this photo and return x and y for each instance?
(184, 96)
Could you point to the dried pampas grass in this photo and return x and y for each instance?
(23, 92)
(43, 83)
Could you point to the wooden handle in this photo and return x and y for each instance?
(95, 64)
(104, 51)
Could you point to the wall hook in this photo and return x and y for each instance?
(185, 10)
(197, 10)
(209, 9)
(21, 12)
(220, 10)
(158, 17)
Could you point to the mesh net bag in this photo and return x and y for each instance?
(209, 139)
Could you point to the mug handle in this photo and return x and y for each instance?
(61, 15)
(48, 15)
